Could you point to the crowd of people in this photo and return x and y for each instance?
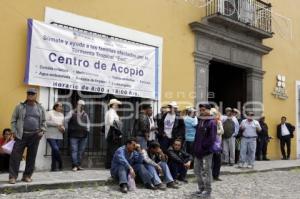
(161, 150)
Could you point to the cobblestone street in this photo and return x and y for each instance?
(271, 185)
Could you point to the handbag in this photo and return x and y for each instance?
(8, 147)
(217, 147)
(131, 183)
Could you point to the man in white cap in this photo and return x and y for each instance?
(171, 128)
(28, 124)
(78, 129)
(231, 129)
(112, 130)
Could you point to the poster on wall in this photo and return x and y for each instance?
(66, 59)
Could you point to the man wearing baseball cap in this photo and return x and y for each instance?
(28, 123)
(78, 129)
(171, 127)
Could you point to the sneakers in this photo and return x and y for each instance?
(217, 179)
(12, 181)
(80, 168)
(150, 186)
(124, 188)
(75, 169)
(161, 187)
(250, 166)
(241, 165)
(202, 194)
(172, 185)
(27, 179)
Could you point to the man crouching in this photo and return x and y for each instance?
(156, 163)
(128, 159)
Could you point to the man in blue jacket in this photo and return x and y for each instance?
(128, 159)
(203, 150)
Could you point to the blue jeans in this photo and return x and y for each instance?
(166, 173)
(178, 171)
(248, 149)
(121, 173)
(56, 158)
(78, 146)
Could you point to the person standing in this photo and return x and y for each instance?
(203, 150)
(142, 126)
(285, 131)
(171, 128)
(262, 141)
(231, 129)
(28, 124)
(78, 130)
(190, 122)
(4, 157)
(237, 114)
(113, 132)
(54, 134)
(249, 128)
(217, 149)
(153, 126)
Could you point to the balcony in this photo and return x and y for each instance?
(250, 16)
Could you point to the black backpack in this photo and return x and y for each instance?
(229, 128)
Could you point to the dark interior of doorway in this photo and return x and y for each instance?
(227, 85)
(96, 106)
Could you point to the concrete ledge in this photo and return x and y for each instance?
(93, 178)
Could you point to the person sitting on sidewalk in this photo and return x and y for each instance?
(179, 161)
(4, 158)
(128, 159)
(156, 163)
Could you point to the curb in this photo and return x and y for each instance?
(31, 187)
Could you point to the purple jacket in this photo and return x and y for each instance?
(205, 137)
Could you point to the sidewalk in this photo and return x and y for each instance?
(86, 178)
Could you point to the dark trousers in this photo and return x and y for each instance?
(112, 146)
(285, 140)
(261, 148)
(31, 141)
(4, 162)
(189, 147)
(216, 165)
(56, 157)
(178, 171)
(165, 143)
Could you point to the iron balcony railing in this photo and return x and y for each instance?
(255, 13)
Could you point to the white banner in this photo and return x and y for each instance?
(66, 59)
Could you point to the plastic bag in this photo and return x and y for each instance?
(8, 147)
(131, 183)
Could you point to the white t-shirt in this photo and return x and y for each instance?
(169, 123)
(284, 130)
(152, 125)
(250, 128)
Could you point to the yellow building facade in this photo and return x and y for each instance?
(170, 20)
